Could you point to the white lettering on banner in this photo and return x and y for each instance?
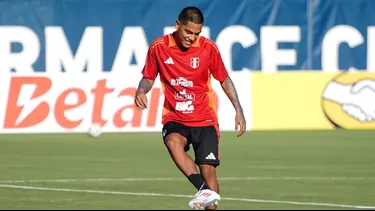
(332, 41)
(232, 35)
(89, 54)
(271, 55)
(133, 41)
(19, 61)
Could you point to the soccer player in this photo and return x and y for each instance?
(185, 62)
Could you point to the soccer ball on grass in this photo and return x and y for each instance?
(95, 130)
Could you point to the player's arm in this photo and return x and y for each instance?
(231, 92)
(220, 73)
(144, 86)
(149, 73)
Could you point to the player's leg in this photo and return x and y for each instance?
(208, 172)
(207, 156)
(205, 141)
(176, 139)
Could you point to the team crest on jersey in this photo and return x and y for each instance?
(194, 62)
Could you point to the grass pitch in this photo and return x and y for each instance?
(260, 170)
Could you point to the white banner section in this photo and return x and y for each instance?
(70, 102)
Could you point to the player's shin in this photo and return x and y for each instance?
(209, 175)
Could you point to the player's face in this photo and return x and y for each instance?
(187, 33)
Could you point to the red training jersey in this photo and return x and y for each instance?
(185, 79)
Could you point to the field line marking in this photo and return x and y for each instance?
(94, 180)
(183, 196)
(180, 178)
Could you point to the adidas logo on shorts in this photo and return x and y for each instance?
(211, 156)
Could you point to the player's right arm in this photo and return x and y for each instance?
(149, 72)
(140, 99)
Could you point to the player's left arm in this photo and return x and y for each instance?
(231, 92)
(220, 73)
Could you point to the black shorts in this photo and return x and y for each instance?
(205, 141)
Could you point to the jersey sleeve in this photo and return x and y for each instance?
(217, 67)
(150, 70)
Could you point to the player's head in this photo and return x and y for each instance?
(188, 26)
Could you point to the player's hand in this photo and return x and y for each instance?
(140, 100)
(240, 123)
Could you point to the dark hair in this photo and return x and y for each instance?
(192, 14)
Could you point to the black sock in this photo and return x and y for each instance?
(197, 181)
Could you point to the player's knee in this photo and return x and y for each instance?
(173, 141)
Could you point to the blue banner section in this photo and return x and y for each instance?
(113, 35)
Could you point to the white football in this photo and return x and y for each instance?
(95, 130)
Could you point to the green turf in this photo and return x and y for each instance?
(335, 167)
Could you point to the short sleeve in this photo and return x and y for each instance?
(217, 67)
(150, 70)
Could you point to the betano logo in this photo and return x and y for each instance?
(349, 100)
(35, 100)
(20, 115)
